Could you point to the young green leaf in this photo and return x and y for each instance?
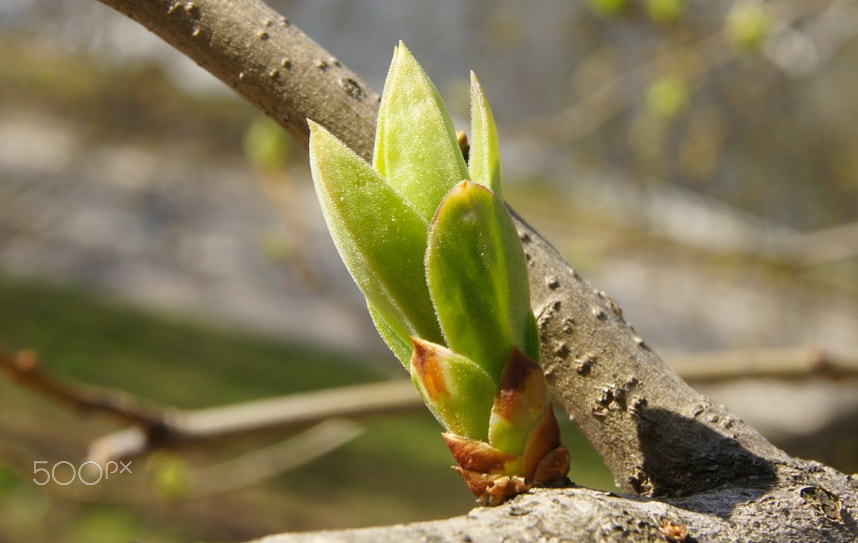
(484, 162)
(380, 238)
(415, 145)
(477, 277)
(396, 338)
(457, 390)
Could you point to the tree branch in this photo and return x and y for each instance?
(658, 436)
(25, 369)
(556, 515)
(267, 60)
(179, 428)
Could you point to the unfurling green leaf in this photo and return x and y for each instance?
(381, 239)
(484, 163)
(415, 144)
(477, 277)
(396, 340)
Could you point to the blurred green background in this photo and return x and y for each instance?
(697, 160)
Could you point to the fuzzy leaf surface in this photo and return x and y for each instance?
(477, 277)
(484, 162)
(456, 389)
(380, 237)
(393, 336)
(415, 144)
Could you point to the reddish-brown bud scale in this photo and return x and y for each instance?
(494, 475)
(425, 363)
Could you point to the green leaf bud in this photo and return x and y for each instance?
(477, 277)
(439, 261)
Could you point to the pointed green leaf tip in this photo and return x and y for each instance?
(415, 144)
(380, 238)
(477, 277)
(484, 162)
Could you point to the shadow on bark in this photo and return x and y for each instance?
(685, 457)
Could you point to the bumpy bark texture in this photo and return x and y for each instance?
(693, 471)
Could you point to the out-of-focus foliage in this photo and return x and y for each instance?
(267, 146)
(607, 7)
(666, 97)
(665, 11)
(169, 474)
(747, 26)
(759, 98)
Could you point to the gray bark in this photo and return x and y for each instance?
(582, 515)
(684, 461)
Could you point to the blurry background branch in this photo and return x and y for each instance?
(266, 415)
(826, 246)
(155, 428)
(797, 364)
(263, 463)
(601, 106)
(24, 368)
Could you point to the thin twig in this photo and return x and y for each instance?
(796, 363)
(25, 369)
(273, 414)
(262, 464)
(826, 246)
(154, 428)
